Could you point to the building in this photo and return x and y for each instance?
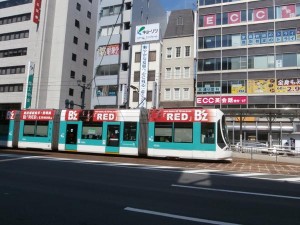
(114, 40)
(45, 47)
(177, 87)
(249, 57)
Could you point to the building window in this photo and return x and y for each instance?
(151, 75)
(107, 70)
(83, 78)
(12, 70)
(72, 74)
(126, 46)
(177, 74)
(71, 91)
(86, 46)
(107, 90)
(75, 40)
(13, 52)
(110, 10)
(176, 94)
(169, 53)
(77, 24)
(11, 88)
(78, 6)
(187, 51)
(137, 57)
(89, 14)
(126, 25)
(186, 73)
(167, 93)
(152, 56)
(180, 20)
(178, 52)
(168, 74)
(74, 57)
(85, 62)
(14, 35)
(136, 76)
(87, 30)
(186, 93)
(15, 19)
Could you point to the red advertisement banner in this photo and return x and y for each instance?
(37, 11)
(41, 115)
(224, 100)
(105, 115)
(182, 115)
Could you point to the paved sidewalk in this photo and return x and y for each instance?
(238, 164)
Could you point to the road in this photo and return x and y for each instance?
(43, 190)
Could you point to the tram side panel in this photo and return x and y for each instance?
(36, 129)
(108, 131)
(184, 133)
(7, 128)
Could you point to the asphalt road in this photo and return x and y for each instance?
(45, 191)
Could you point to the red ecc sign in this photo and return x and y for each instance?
(209, 20)
(224, 100)
(234, 17)
(288, 11)
(260, 14)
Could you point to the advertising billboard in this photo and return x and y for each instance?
(149, 32)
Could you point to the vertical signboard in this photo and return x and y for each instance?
(28, 95)
(37, 11)
(144, 76)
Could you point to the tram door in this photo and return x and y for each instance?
(71, 136)
(113, 138)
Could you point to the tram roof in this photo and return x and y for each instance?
(263, 112)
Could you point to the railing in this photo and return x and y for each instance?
(275, 151)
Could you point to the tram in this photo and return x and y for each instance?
(190, 133)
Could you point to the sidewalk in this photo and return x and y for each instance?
(241, 162)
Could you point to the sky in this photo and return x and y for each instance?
(178, 4)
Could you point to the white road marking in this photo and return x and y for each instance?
(178, 217)
(237, 192)
(20, 158)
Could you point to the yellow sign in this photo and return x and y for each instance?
(261, 86)
(237, 89)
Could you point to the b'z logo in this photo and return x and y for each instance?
(72, 115)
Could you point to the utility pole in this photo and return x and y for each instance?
(84, 87)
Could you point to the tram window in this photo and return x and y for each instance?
(130, 131)
(4, 128)
(92, 130)
(163, 132)
(183, 132)
(29, 127)
(207, 133)
(42, 129)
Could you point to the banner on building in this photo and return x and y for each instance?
(149, 32)
(37, 11)
(109, 50)
(30, 75)
(144, 76)
(288, 11)
(223, 100)
(234, 17)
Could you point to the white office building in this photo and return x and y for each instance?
(46, 46)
